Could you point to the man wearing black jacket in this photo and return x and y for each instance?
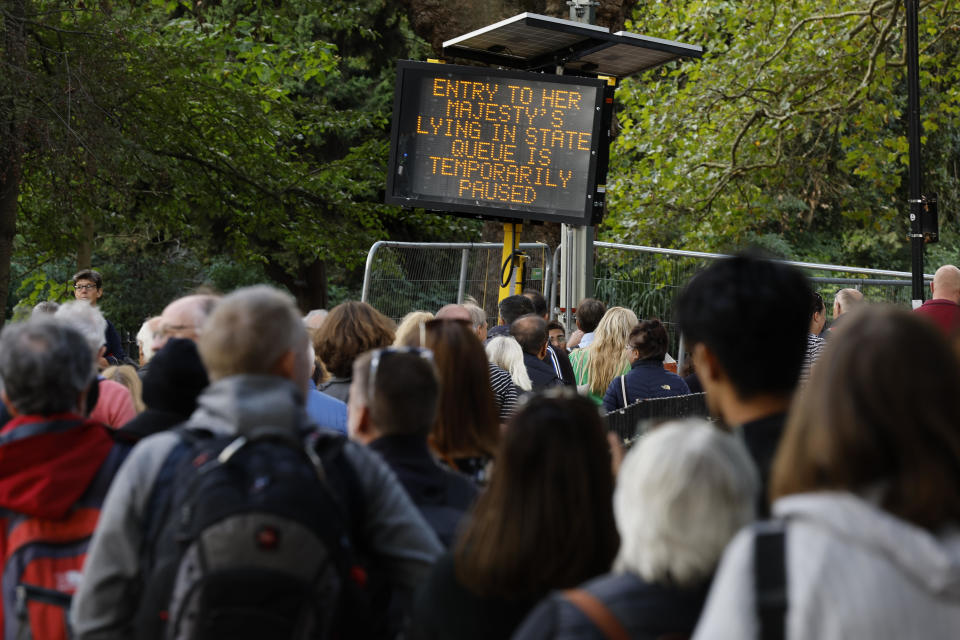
(393, 402)
(745, 320)
(531, 332)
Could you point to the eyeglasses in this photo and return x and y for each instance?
(84, 287)
(379, 354)
(168, 331)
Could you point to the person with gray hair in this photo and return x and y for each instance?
(254, 346)
(55, 468)
(111, 403)
(315, 318)
(46, 307)
(478, 317)
(844, 301)
(506, 353)
(682, 493)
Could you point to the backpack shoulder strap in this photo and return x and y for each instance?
(623, 389)
(770, 578)
(599, 614)
(158, 505)
(339, 476)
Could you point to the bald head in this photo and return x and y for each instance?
(183, 318)
(531, 332)
(946, 284)
(454, 312)
(846, 300)
(315, 318)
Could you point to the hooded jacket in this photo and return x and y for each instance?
(393, 530)
(48, 462)
(853, 571)
(54, 475)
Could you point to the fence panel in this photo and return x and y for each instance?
(406, 276)
(648, 279)
(632, 421)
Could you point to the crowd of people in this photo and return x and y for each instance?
(267, 474)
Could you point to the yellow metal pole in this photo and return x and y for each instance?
(510, 266)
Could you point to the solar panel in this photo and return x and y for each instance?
(533, 41)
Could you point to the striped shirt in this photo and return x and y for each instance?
(504, 391)
(815, 345)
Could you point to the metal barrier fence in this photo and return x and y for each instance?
(647, 279)
(405, 276)
(632, 421)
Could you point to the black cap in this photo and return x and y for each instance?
(175, 377)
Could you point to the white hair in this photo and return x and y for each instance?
(506, 353)
(682, 493)
(145, 339)
(87, 319)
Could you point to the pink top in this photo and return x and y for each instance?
(114, 406)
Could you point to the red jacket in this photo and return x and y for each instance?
(54, 474)
(945, 313)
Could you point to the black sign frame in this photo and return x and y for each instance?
(409, 71)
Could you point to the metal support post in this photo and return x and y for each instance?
(913, 135)
(511, 271)
(462, 284)
(576, 277)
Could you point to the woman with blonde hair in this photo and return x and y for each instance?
(505, 352)
(595, 366)
(127, 376)
(408, 333)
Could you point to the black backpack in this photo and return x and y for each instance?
(247, 538)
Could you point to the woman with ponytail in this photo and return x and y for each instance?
(646, 348)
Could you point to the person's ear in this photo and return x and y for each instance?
(286, 366)
(543, 351)
(705, 362)
(12, 410)
(360, 425)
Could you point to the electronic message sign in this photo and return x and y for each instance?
(495, 144)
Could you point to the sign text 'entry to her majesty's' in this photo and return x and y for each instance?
(495, 144)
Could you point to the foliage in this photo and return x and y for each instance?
(792, 127)
(238, 132)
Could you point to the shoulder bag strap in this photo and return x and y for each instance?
(623, 388)
(599, 614)
(770, 577)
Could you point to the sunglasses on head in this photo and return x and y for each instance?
(377, 356)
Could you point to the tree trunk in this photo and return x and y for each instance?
(309, 286)
(85, 244)
(9, 195)
(13, 47)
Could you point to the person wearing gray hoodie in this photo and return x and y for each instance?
(865, 485)
(255, 350)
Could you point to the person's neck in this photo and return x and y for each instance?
(740, 411)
